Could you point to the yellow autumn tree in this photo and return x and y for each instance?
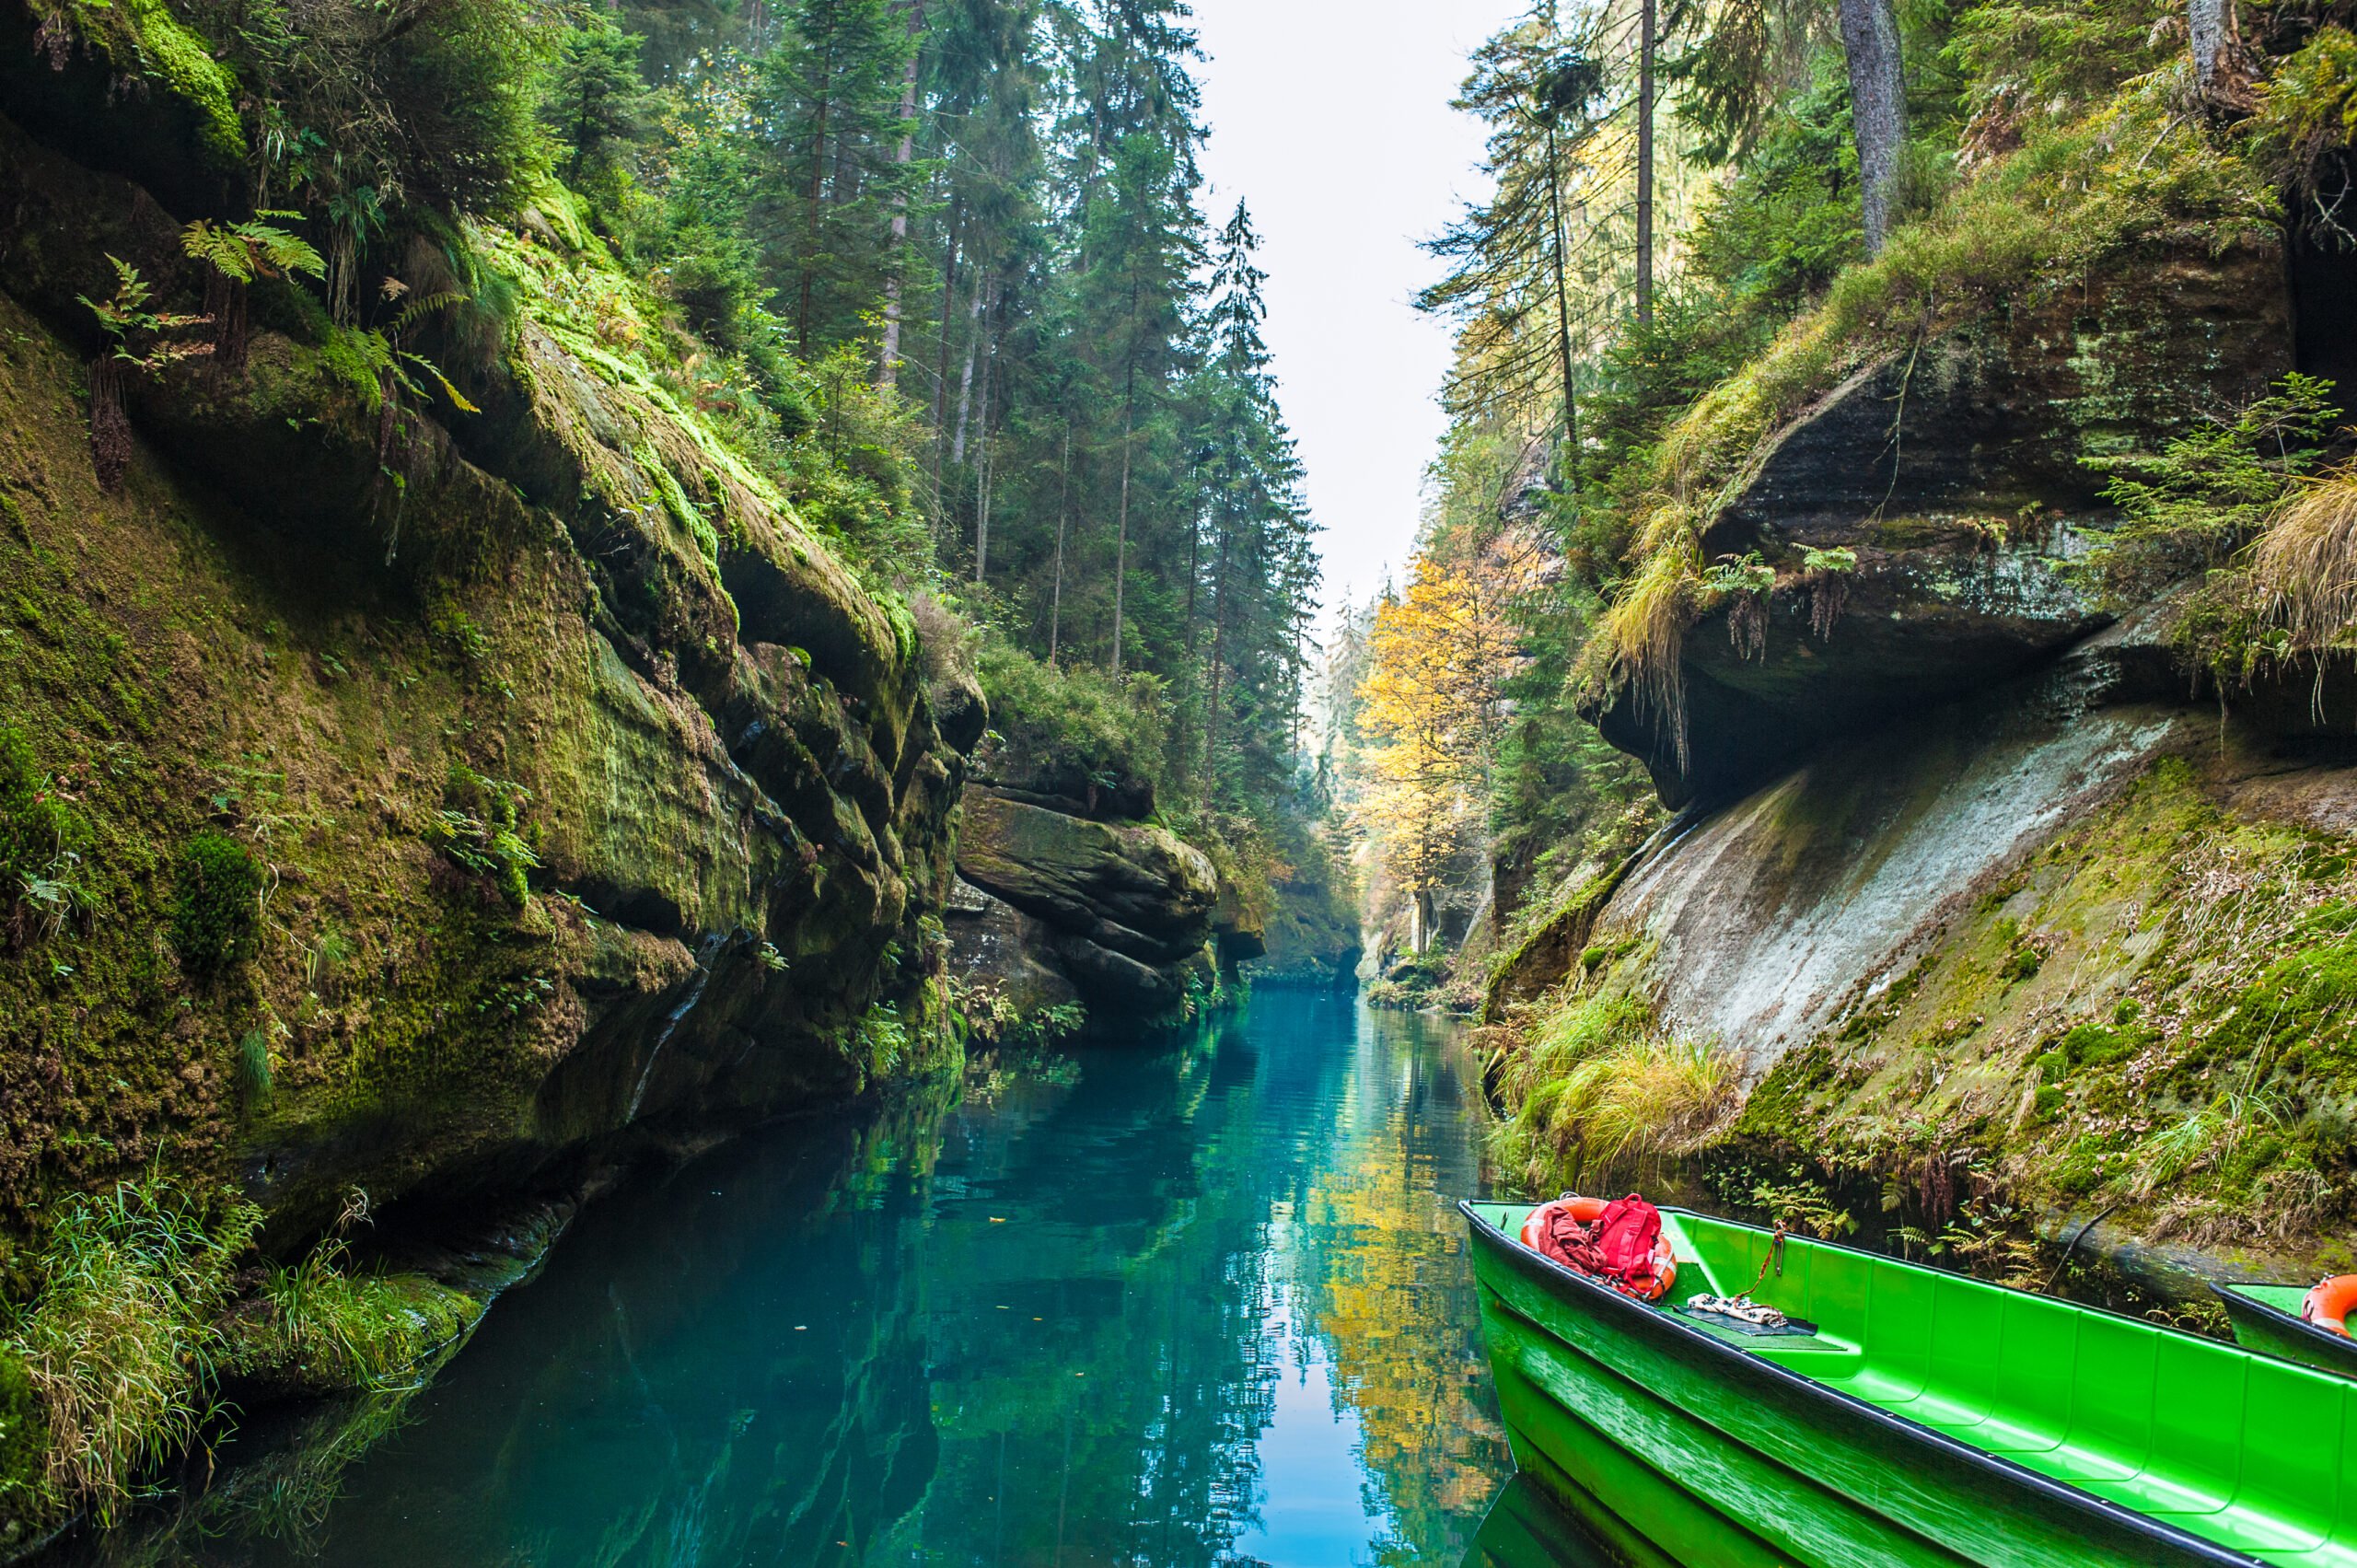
(1436, 657)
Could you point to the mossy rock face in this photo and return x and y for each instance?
(690, 849)
(2182, 1055)
(1954, 473)
(1130, 907)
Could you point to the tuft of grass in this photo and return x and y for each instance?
(253, 1067)
(2207, 1138)
(1600, 1087)
(2305, 566)
(330, 1330)
(122, 1343)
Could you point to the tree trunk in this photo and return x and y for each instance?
(1063, 512)
(1562, 319)
(941, 351)
(810, 228)
(2211, 23)
(1878, 106)
(1219, 655)
(1645, 20)
(887, 369)
(983, 447)
(1121, 529)
(966, 377)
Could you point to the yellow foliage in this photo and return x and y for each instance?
(1437, 656)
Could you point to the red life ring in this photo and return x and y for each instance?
(2328, 1306)
(1587, 1211)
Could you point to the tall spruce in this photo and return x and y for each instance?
(832, 95)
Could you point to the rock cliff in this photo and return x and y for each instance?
(1955, 473)
(584, 793)
(1982, 897)
(1119, 914)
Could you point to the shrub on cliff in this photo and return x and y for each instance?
(1066, 729)
(216, 913)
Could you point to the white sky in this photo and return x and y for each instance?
(1331, 119)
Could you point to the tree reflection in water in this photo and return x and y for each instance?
(1048, 1324)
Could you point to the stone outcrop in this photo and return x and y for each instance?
(1121, 911)
(1956, 472)
(357, 631)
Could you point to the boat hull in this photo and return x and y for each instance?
(2260, 1326)
(1714, 1458)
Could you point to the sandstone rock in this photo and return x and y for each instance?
(994, 943)
(1956, 474)
(1120, 907)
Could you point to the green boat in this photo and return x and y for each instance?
(1927, 1419)
(2266, 1318)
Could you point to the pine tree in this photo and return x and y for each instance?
(831, 101)
(596, 95)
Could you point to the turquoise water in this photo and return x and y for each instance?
(1207, 1304)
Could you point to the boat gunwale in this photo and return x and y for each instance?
(2341, 1345)
(1752, 1362)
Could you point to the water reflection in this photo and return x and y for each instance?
(1193, 1307)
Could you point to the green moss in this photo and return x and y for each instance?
(24, 1439)
(1785, 1100)
(40, 830)
(216, 910)
(144, 37)
(2087, 1045)
(2300, 998)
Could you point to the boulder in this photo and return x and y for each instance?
(1120, 908)
(997, 946)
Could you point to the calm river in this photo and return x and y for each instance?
(1164, 1307)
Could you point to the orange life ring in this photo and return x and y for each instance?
(1587, 1211)
(2328, 1306)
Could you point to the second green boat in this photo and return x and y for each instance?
(1929, 1419)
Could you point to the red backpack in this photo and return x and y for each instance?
(1619, 1243)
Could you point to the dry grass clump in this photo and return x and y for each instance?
(2305, 566)
(1638, 642)
(1601, 1088)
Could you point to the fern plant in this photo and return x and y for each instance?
(142, 339)
(244, 251)
(235, 255)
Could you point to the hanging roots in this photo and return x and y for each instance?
(1937, 1187)
(1828, 595)
(1748, 625)
(225, 301)
(109, 428)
